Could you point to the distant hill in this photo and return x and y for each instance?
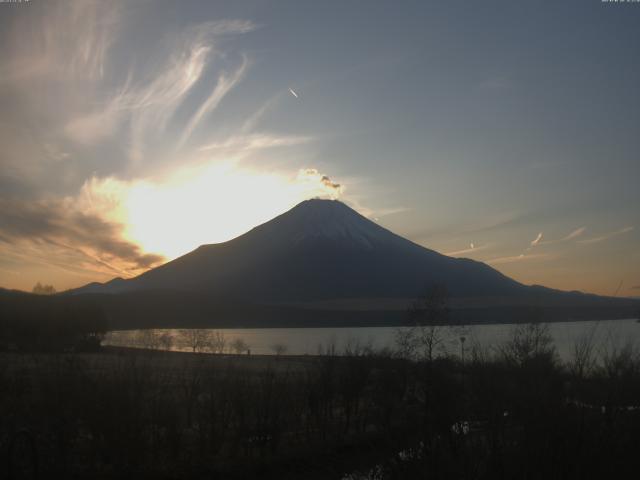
(318, 254)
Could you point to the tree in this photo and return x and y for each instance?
(428, 315)
(239, 346)
(217, 342)
(196, 339)
(166, 341)
(279, 348)
(40, 289)
(584, 356)
(148, 339)
(529, 341)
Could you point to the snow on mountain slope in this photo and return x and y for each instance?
(326, 219)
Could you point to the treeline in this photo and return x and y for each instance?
(31, 322)
(511, 412)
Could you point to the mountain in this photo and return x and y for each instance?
(321, 256)
(319, 250)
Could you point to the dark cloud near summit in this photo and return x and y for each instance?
(327, 182)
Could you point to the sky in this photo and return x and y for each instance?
(506, 132)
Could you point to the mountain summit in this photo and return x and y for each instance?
(330, 220)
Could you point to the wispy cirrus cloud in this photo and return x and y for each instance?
(606, 236)
(567, 238)
(69, 41)
(99, 95)
(224, 85)
(147, 107)
(518, 258)
(575, 234)
(536, 240)
(472, 248)
(253, 142)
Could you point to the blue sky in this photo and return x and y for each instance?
(506, 132)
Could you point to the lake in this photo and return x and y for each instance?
(608, 334)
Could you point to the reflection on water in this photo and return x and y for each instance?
(311, 341)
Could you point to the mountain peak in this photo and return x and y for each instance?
(320, 201)
(326, 219)
(322, 206)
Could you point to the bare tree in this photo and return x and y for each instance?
(217, 342)
(584, 358)
(196, 339)
(528, 341)
(279, 348)
(148, 339)
(239, 346)
(619, 360)
(428, 315)
(166, 341)
(406, 342)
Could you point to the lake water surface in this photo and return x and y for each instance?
(311, 341)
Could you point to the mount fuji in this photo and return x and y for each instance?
(314, 261)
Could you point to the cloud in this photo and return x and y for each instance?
(517, 258)
(147, 101)
(55, 57)
(534, 243)
(65, 41)
(576, 233)
(194, 200)
(253, 119)
(537, 240)
(95, 127)
(606, 236)
(256, 142)
(327, 182)
(472, 248)
(224, 84)
(330, 188)
(226, 27)
(58, 224)
(74, 81)
(501, 220)
(571, 236)
(384, 212)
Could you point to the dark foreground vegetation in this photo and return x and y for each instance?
(513, 412)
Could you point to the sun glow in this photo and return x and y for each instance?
(195, 206)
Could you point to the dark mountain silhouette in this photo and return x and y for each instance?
(319, 251)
